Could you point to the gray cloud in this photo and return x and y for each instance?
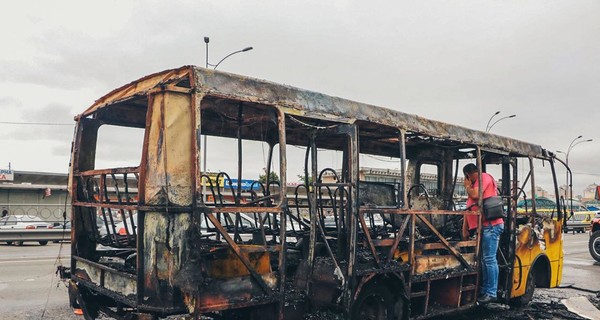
(47, 123)
(10, 102)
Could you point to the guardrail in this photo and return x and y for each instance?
(47, 211)
(35, 234)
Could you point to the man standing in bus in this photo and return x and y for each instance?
(490, 233)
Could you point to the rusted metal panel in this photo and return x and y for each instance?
(430, 263)
(313, 104)
(105, 277)
(139, 87)
(224, 264)
(168, 177)
(447, 292)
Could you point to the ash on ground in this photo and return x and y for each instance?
(546, 305)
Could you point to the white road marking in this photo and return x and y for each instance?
(578, 262)
(67, 259)
(576, 242)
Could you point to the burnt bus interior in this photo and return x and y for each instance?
(321, 244)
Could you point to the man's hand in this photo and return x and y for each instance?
(467, 182)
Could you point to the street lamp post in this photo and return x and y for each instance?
(571, 146)
(493, 124)
(566, 173)
(204, 141)
(207, 64)
(490, 120)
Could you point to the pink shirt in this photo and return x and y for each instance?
(489, 190)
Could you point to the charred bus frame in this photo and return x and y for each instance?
(379, 255)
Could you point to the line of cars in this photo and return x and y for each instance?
(24, 223)
(121, 229)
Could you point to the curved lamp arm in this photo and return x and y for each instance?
(493, 124)
(229, 55)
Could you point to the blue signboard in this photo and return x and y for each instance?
(246, 184)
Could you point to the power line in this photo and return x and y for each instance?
(383, 160)
(38, 123)
(587, 173)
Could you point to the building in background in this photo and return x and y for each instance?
(429, 180)
(541, 192)
(589, 193)
(36, 194)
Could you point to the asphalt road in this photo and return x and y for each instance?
(29, 288)
(580, 269)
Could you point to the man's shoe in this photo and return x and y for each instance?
(485, 299)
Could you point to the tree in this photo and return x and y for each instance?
(272, 177)
(301, 178)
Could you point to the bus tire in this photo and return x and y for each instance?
(594, 245)
(528, 295)
(377, 302)
(43, 243)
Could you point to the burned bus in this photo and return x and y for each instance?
(174, 240)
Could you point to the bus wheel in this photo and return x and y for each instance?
(376, 302)
(594, 245)
(528, 295)
(43, 243)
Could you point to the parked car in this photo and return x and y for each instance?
(579, 221)
(594, 243)
(541, 203)
(23, 222)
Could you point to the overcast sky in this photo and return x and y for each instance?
(454, 61)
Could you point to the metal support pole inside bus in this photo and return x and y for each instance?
(204, 197)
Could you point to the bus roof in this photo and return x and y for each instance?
(310, 104)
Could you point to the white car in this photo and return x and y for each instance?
(23, 222)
